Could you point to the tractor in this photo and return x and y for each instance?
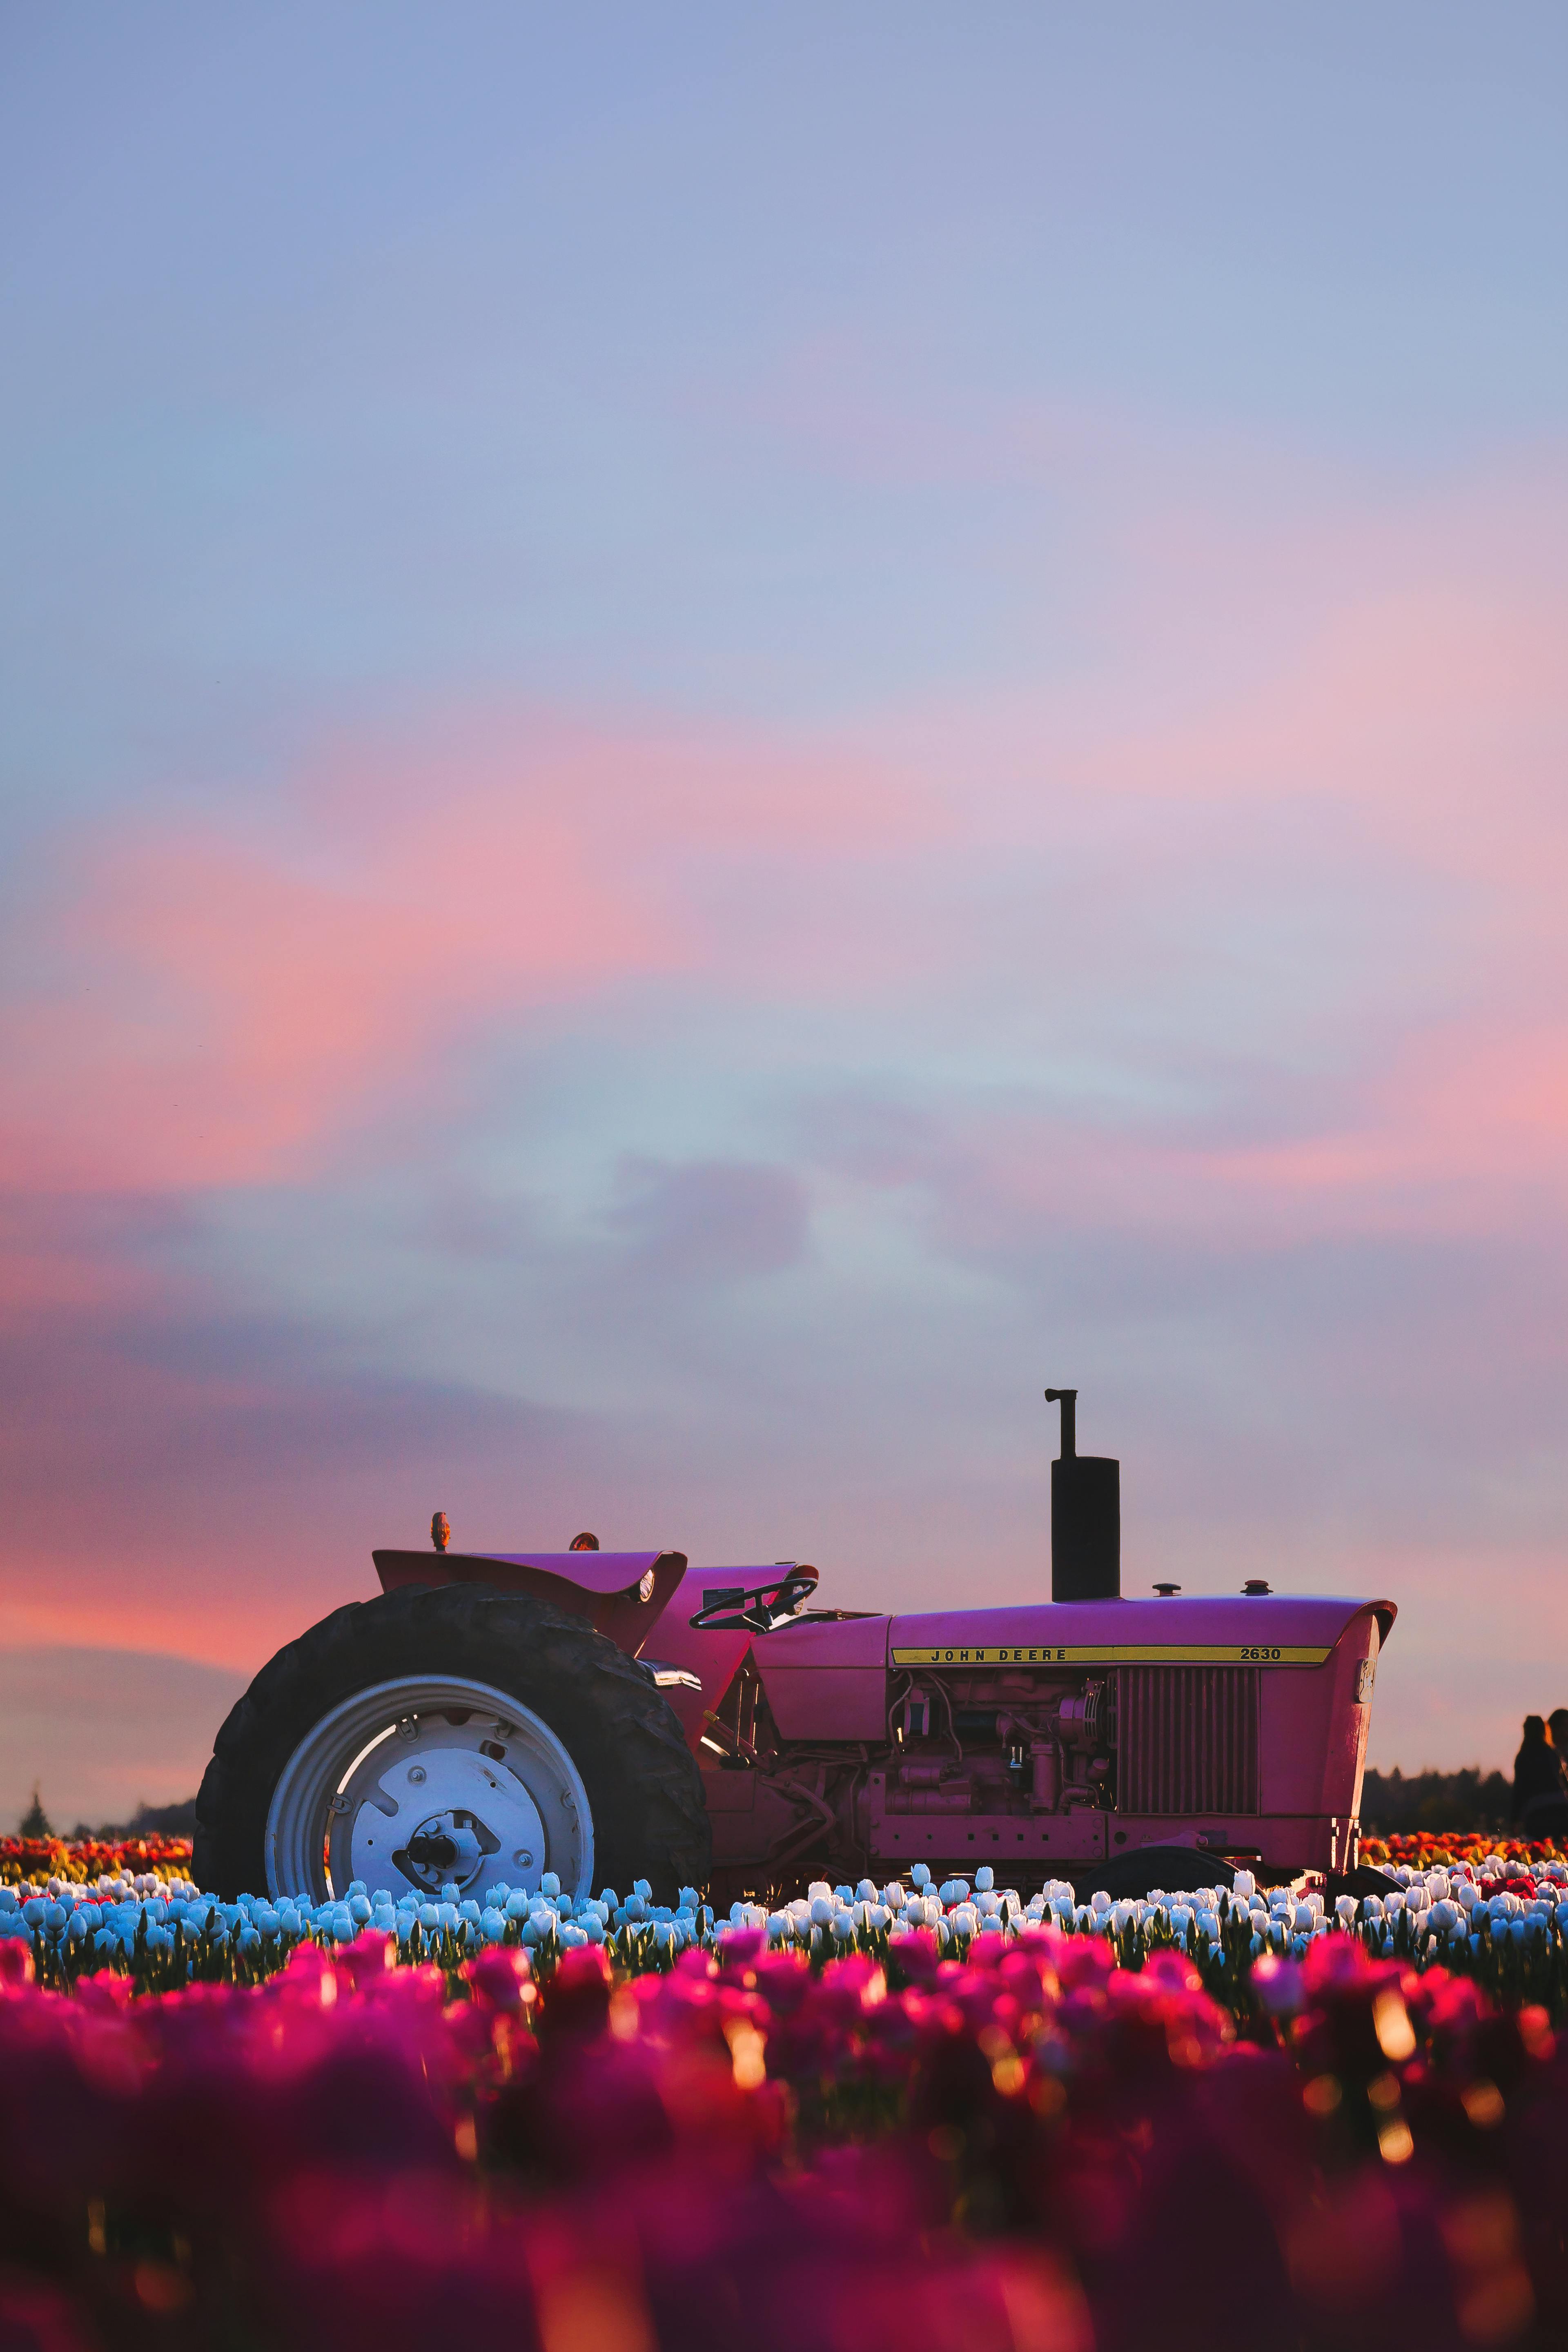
(614, 1716)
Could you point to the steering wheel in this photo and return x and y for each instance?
(755, 1608)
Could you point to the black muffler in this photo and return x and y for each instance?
(1086, 1516)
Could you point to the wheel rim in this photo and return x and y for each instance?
(429, 1781)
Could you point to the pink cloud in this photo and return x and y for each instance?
(1466, 1119)
(1455, 1130)
(228, 1005)
(222, 1001)
(1219, 623)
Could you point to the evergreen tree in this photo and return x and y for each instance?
(35, 1821)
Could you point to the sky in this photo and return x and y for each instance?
(725, 734)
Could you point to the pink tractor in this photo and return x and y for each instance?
(615, 1715)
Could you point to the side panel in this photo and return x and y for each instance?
(827, 1678)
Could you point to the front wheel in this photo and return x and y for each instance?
(444, 1736)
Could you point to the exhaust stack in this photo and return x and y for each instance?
(1086, 1516)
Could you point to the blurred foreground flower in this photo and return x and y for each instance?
(1034, 2149)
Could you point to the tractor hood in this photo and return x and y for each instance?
(1266, 1629)
(605, 1587)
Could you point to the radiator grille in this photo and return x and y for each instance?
(1187, 1739)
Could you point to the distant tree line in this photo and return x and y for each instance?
(1393, 1804)
(149, 1821)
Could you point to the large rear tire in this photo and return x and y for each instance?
(441, 1735)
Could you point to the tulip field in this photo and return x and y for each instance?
(941, 2113)
(1500, 1919)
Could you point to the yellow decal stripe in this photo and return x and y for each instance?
(1232, 1654)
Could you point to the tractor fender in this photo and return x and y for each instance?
(623, 1594)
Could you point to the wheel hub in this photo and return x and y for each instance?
(448, 1846)
(441, 1816)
